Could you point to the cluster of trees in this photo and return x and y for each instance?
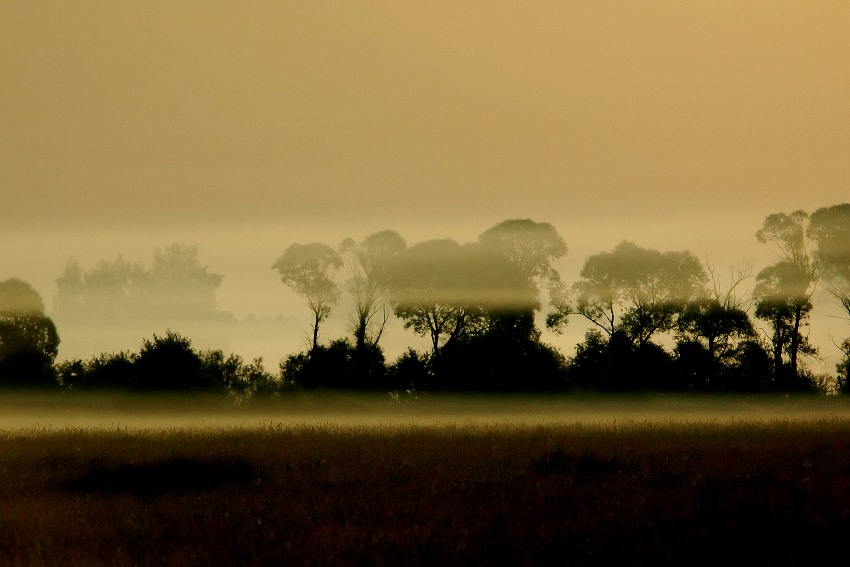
(477, 304)
(474, 302)
(175, 287)
(658, 320)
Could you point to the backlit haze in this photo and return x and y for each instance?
(242, 127)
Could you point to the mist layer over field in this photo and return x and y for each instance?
(22, 413)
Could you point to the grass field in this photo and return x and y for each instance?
(644, 484)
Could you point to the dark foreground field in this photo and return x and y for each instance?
(736, 493)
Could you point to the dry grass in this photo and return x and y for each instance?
(756, 493)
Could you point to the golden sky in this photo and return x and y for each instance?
(245, 126)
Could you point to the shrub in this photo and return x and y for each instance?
(411, 370)
(338, 365)
(169, 363)
(237, 377)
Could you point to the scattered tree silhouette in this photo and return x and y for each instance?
(308, 269)
(476, 303)
(28, 338)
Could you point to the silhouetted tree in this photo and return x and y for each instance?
(446, 291)
(530, 246)
(719, 328)
(783, 291)
(600, 361)
(787, 233)
(843, 368)
(425, 295)
(368, 285)
(631, 289)
(28, 338)
(308, 270)
(708, 341)
(830, 229)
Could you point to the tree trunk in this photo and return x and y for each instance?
(777, 348)
(316, 331)
(795, 339)
(360, 332)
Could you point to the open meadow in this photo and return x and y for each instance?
(328, 479)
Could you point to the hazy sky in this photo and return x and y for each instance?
(245, 126)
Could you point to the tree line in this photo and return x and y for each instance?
(658, 320)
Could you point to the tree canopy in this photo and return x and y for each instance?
(445, 291)
(633, 289)
(530, 246)
(369, 261)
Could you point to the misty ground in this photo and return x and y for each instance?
(22, 411)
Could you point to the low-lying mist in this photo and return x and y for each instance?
(29, 412)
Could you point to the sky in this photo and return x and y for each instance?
(242, 127)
